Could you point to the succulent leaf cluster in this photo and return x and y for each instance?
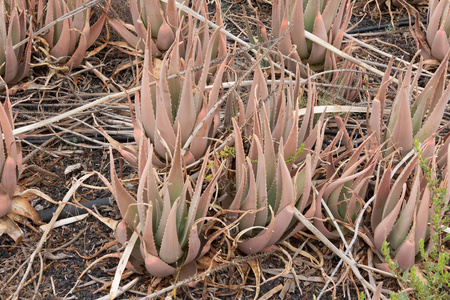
(150, 15)
(13, 206)
(274, 178)
(327, 19)
(409, 122)
(170, 230)
(69, 39)
(10, 159)
(14, 62)
(173, 103)
(401, 213)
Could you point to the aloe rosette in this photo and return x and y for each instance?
(13, 207)
(172, 104)
(400, 214)
(68, 40)
(14, 63)
(151, 15)
(267, 192)
(409, 122)
(343, 190)
(282, 114)
(327, 19)
(168, 216)
(437, 41)
(10, 159)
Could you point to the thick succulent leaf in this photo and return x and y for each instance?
(397, 187)
(261, 187)
(319, 217)
(171, 251)
(260, 241)
(433, 121)
(24, 66)
(157, 267)
(121, 232)
(430, 95)
(421, 220)
(7, 129)
(241, 189)
(381, 198)
(374, 123)
(126, 203)
(147, 238)
(317, 56)
(406, 253)
(166, 209)
(152, 13)
(165, 37)
(97, 27)
(61, 39)
(377, 294)
(194, 245)
(165, 137)
(205, 199)
(164, 89)
(80, 51)
(5, 202)
(276, 13)
(250, 202)
(186, 116)
(434, 19)
(200, 141)
(297, 19)
(402, 227)
(269, 152)
(440, 46)
(9, 176)
(402, 134)
(329, 12)
(285, 185)
(240, 156)
(282, 221)
(120, 28)
(383, 229)
(145, 104)
(208, 54)
(175, 179)
(11, 64)
(143, 192)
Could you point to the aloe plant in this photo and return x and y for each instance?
(175, 103)
(13, 207)
(400, 214)
(280, 114)
(10, 159)
(14, 63)
(151, 15)
(343, 190)
(436, 42)
(169, 217)
(409, 122)
(69, 39)
(161, 19)
(326, 19)
(268, 194)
